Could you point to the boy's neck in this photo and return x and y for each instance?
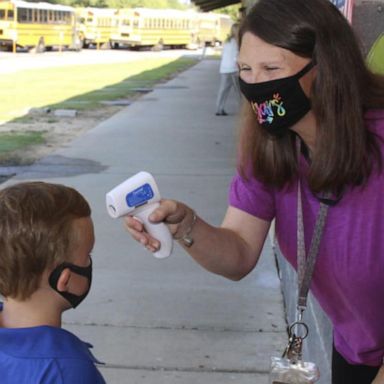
(36, 311)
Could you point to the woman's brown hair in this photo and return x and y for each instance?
(343, 90)
(36, 232)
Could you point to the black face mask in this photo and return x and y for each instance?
(278, 103)
(73, 299)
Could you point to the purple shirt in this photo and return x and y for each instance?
(348, 280)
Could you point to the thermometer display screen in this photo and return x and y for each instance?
(139, 196)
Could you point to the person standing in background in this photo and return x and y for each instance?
(228, 71)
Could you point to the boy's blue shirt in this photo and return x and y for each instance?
(45, 354)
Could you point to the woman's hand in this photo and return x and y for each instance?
(231, 250)
(176, 215)
(379, 379)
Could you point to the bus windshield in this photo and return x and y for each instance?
(6, 15)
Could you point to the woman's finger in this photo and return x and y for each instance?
(131, 223)
(169, 211)
(137, 231)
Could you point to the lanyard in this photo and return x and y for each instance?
(306, 265)
(305, 268)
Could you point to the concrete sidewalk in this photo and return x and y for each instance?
(168, 321)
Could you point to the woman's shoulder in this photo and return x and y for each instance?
(374, 119)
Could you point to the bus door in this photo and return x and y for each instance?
(121, 34)
(136, 35)
(8, 30)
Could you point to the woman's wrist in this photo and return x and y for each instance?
(185, 234)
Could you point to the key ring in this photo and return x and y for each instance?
(297, 324)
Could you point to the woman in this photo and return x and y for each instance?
(229, 77)
(314, 123)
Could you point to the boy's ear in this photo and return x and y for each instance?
(63, 280)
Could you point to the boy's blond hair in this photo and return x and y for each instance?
(36, 232)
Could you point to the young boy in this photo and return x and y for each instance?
(46, 237)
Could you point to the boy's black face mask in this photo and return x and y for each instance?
(73, 299)
(279, 103)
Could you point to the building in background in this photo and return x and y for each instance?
(346, 7)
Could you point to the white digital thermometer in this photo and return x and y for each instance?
(139, 196)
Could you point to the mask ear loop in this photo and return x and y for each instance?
(86, 272)
(306, 69)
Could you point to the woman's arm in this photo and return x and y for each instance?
(379, 379)
(231, 250)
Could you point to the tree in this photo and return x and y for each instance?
(231, 10)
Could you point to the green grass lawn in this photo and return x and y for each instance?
(75, 87)
(14, 141)
(82, 86)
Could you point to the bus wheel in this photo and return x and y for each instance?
(40, 47)
(106, 45)
(159, 46)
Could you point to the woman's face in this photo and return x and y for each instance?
(259, 61)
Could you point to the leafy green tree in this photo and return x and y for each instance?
(231, 10)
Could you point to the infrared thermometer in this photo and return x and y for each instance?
(139, 196)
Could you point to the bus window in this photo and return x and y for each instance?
(11, 14)
(2, 14)
(67, 17)
(22, 15)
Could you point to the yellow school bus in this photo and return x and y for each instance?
(223, 28)
(144, 27)
(40, 25)
(213, 28)
(96, 25)
(207, 27)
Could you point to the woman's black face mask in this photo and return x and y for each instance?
(73, 299)
(279, 103)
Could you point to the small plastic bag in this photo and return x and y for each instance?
(284, 371)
